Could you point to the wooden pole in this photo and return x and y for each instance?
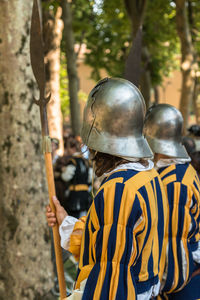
(38, 67)
(56, 236)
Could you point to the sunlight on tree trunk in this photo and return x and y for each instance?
(25, 268)
(187, 60)
(192, 10)
(53, 26)
(196, 100)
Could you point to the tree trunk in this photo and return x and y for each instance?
(145, 87)
(136, 11)
(145, 78)
(187, 60)
(196, 100)
(53, 26)
(156, 95)
(194, 36)
(71, 67)
(25, 269)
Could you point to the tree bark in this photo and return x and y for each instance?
(53, 26)
(196, 100)
(136, 11)
(145, 77)
(187, 60)
(71, 67)
(25, 268)
(156, 95)
(194, 36)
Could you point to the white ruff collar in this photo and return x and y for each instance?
(165, 162)
(137, 166)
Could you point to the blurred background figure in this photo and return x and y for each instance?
(196, 161)
(67, 131)
(192, 144)
(61, 162)
(194, 130)
(189, 144)
(77, 176)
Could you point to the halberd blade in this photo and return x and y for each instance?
(37, 49)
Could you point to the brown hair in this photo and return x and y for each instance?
(105, 163)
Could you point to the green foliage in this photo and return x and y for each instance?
(107, 34)
(161, 39)
(50, 5)
(105, 28)
(194, 20)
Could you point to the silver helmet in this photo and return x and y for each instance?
(163, 130)
(113, 120)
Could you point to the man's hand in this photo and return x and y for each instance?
(53, 218)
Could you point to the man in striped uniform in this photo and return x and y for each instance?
(163, 127)
(121, 250)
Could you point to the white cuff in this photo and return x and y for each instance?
(196, 254)
(65, 230)
(152, 292)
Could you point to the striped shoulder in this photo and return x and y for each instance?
(168, 174)
(129, 177)
(175, 172)
(183, 173)
(119, 176)
(191, 178)
(141, 178)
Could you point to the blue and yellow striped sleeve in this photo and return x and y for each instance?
(111, 243)
(194, 236)
(183, 229)
(191, 179)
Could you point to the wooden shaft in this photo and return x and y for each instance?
(56, 236)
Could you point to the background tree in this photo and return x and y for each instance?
(25, 272)
(136, 12)
(108, 37)
(106, 34)
(193, 8)
(160, 51)
(73, 83)
(187, 59)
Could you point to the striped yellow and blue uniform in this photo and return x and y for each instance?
(182, 187)
(122, 243)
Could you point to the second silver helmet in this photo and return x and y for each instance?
(113, 120)
(163, 130)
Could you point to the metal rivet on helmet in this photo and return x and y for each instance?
(113, 119)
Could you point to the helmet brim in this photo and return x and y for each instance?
(128, 147)
(168, 148)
